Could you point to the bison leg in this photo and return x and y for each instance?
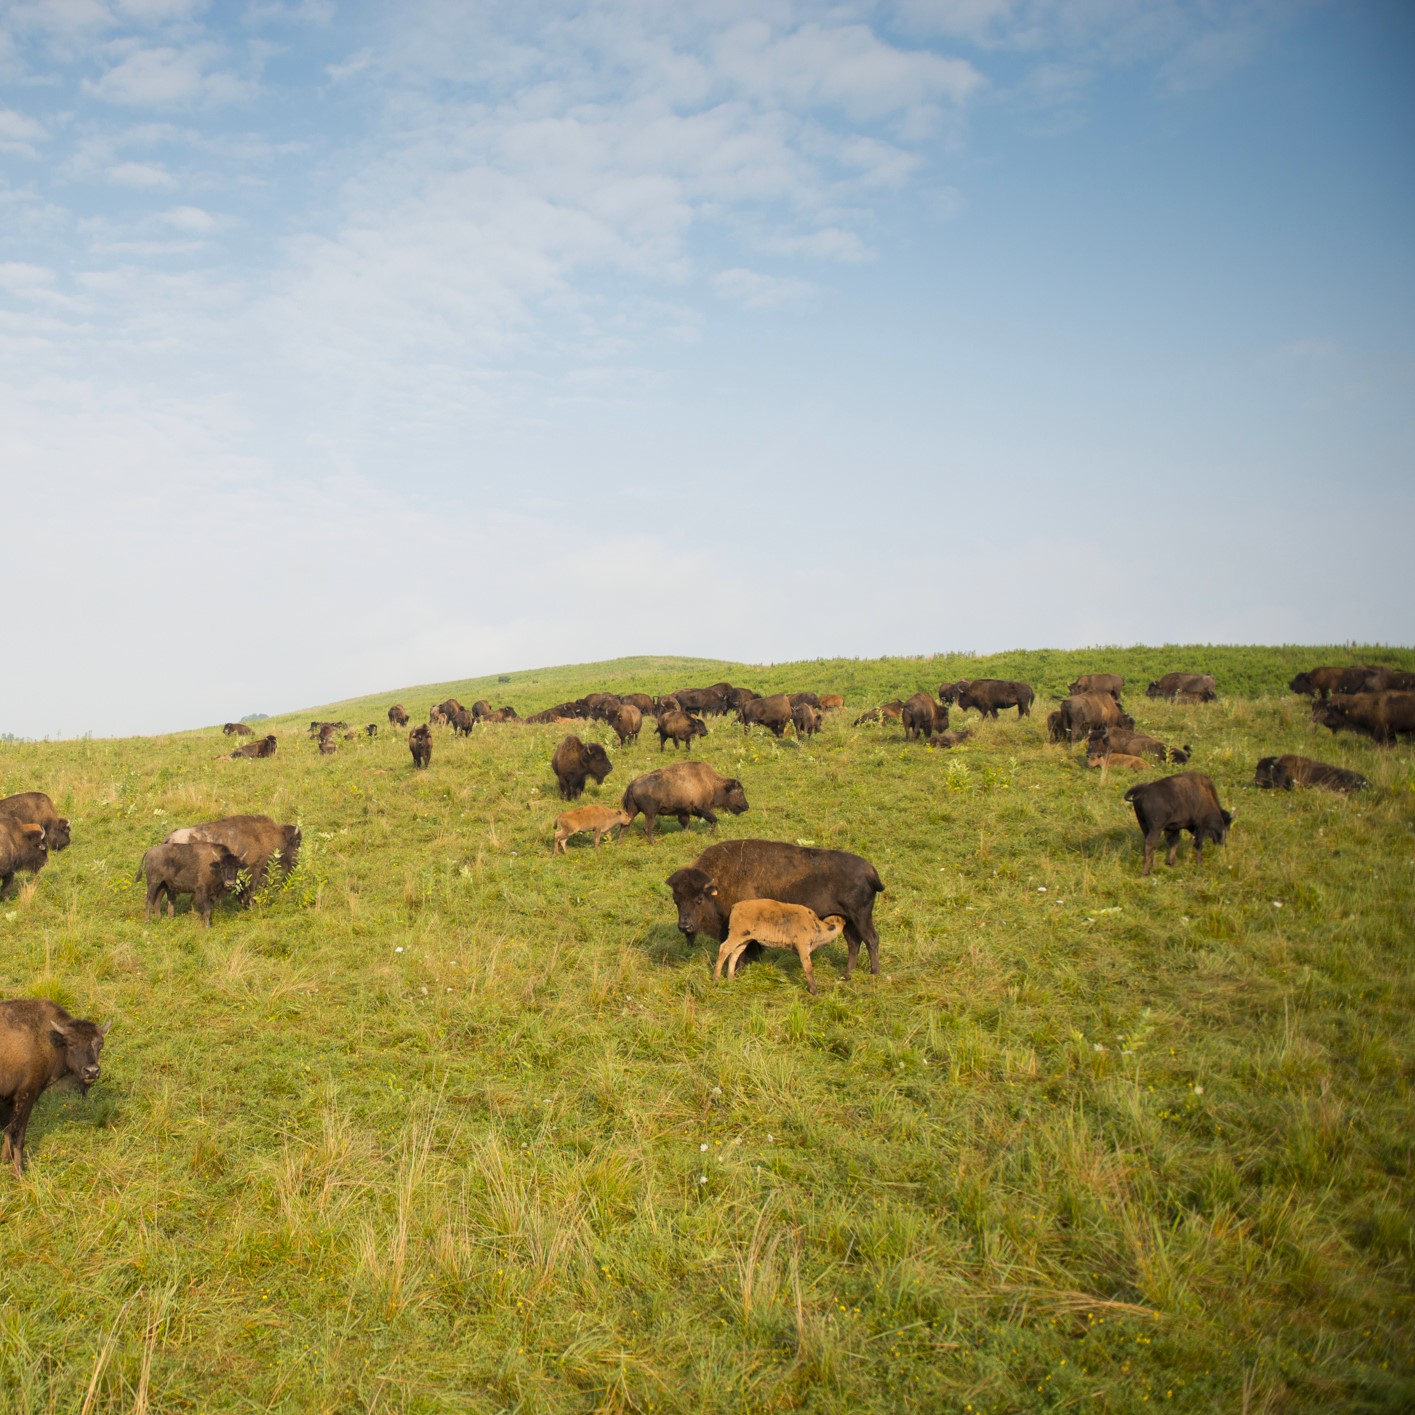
(736, 958)
(14, 1143)
(855, 935)
(152, 894)
(649, 820)
(5, 882)
(1171, 838)
(803, 952)
(1151, 840)
(724, 955)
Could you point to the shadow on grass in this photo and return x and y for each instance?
(1119, 840)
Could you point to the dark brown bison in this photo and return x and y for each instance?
(575, 762)
(684, 789)
(1110, 683)
(1322, 682)
(806, 719)
(462, 722)
(738, 696)
(773, 713)
(39, 1045)
(480, 709)
(371, 729)
(680, 728)
(922, 717)
(1102, 741)
(397, 715)
(642, 701)
(200, 868)
(885, 712)
(1178, 803)
(704, 700)
(255, 841)
(35, 808)
(1084, 712)
(1184, 687)
(828, 881)
(22, 847)
(237, 729)
(447, 707)
(1365, 679)
(575, 711)
(798, 698)
(989, 695)
(320, 729)
(264, 748)
(420, 744)
(1382, 716)
(502, 714)
(627, 722)
(944, 741)
(1056, 726)
(1283, 773)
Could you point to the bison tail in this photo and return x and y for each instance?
(875, 882)
(1134, 791)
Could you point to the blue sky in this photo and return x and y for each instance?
(346, 346)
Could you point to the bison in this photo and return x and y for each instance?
(772, 924)
(574, 762)
(1381, 716)
(886, 712)
(1283, 773)
(35, 808)
(989, 695)
(203, 869)
(807, 720)
(627, 721)
(684, 789)
(680, 728)
(922, 717)
(237, 729)
(945, 741)
(773, 713)
(1173, 804)
(253, 750)
(1105, 740)
(832, 702)
(22, 847)
(397, 715)
(1110, 683)
(1184, 687)
(827, 881)
(420, 744)
(598, 819)
(254, 840)
(1084, 712)
(39, 1045)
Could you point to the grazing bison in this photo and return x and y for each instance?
(254, 840)
(642, 701)
(1283, 773)
(200, 868)
(22, 847)
(989, 695)
(832, 702)
(680, 728)
(704, 700)
(1178, 803)
(420, 744)
(1110, 683)
(798, 698)
(480, 709)
(827, 881)
(39, 1045)
(237, 729)
(627, 722)
(397, 715)
(738, 696)
(264, 748)
(1382, 716)
(922, 717)
(1322, 682)
(1084, 712)
(885, 712)
(773, 924)
(462, 722)
(1184, 687)
(598, 819)
(773, 713)
(574, 762)
(1105, 740)
(35, 808)
(807, 720)
(684, 789)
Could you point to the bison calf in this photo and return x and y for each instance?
(39, 1045)
(1178, 803)
(599, 819)
(776, 925)
(201, 868)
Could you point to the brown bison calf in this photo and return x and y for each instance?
(22, 847)
(39, 1045)
(420, 744)
(1173, 804)
(35, 808)
(599, 819)
(885, 712)
(806, 719)
(776, 925)
(200, 868)
(1108, 761)
(1105, 740)
(1283, 773)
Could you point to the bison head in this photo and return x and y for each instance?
(80, 1042)
(699, 910)
(1272, 774)
(57, 836)
(733, 797)
(597, 761)
(699, 727)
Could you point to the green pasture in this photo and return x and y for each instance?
(446, 1124)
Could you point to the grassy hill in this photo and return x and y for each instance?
(447, 1124)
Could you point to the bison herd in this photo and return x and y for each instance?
(746, 894)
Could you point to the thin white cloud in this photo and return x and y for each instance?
(754, 290)
(190, 218)
(148, 176)
(19, 133)
(162, 76)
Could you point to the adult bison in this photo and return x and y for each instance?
(773, 713)
(254, 840)
(1103, 741)
(1382, 716)
(35, 808)
(1110, 683)
(922, 717)
(679, 728)
(886, 712)
(684, 789)
(420, 744)
(200, 868)
(1173, 804)
(989, 695)
(827, 881)
(627, 722)
(22, 847)
(397, 715)
(1184, 687)
(575, 762)
(1283, 773)
(266, 747)
(1082, 713)
(237, 729)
